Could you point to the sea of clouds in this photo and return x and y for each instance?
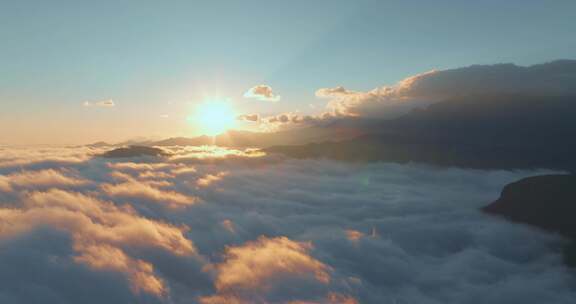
(225, 226)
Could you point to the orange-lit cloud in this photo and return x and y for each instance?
(139, 273)
(101, 233)
(135, 189)
(43, 178)
(5, 184)
(154, 175)
(228, 225)
(332, 92)
(183, 170)
(249, 117)
(24, 157)
(262, 92)
(212, 153)
(257, 266)
(354, 235)
(209, 179)
(252, 272)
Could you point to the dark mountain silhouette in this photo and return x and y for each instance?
(99, 144)
(547, 202)
(184, 141)
(480, 132)
(134, 151)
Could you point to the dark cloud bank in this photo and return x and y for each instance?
(221, 226)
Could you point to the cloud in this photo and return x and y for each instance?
(228, 225)
(249, 117)
(19, 158)
(549, 79)
(291, 120)
(108, 103)
(5, 184)
(273, 230)
(40, 178)
(102, 233)
(332, 92)
(331, 298)
(267, 266)
(202, 154)
(143, 190)
(210, 179)
(139, 273)
(255, 265)
(262, 92)
(354, 235)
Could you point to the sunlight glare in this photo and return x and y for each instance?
(214, 117)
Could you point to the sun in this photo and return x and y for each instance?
(214, 116)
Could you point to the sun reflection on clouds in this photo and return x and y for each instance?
(215, 152)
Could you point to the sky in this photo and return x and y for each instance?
(63, 61)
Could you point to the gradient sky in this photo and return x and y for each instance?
(157, 59)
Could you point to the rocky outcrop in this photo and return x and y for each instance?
(547, 201)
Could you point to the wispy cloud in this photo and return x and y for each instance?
(108, 103)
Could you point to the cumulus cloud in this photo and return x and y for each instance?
(266, 266)
(139, 273)
(548, 79)
(108, 103)
(354, 235)
(262, 92)
(272, 231)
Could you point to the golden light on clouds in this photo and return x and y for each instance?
(214, 116)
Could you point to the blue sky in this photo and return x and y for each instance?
(158, 58)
